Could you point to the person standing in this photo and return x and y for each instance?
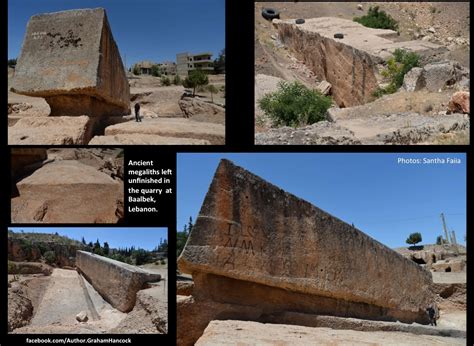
(137, 112)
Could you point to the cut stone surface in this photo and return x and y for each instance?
(51, 131)
(252, 333)
(171, 127)
(144, 139)
(350, 64)
(66, 192)
(71, 59)
(248, 238)
(117, 282)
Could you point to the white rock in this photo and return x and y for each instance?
(432, 30)
(82, 316)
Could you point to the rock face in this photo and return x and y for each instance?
(349, 64)
(75, 130)
(20, 309)
(66, 192)
(70, 58)
(117, 282)
(191, 106)
(254, 244)
(24, 157)
(435, 76)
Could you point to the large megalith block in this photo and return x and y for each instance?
(117, 282)
(254, 244)
(71, 59)
(67, 191)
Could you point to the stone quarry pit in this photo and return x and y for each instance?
(351, 64)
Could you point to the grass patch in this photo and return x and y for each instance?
(377, 19)
(293, 104)
(397, 68)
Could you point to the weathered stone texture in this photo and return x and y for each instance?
(23, 157)
(66, 192)
(70, 58)
(251, 231)
(117, 282)
(76, 130)
(349, 64)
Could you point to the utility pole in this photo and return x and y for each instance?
(445, 229)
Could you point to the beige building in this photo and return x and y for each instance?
(188, 62)
(167, 68)
(144, 66)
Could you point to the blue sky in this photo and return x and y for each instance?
(145, 238)
(143, 29)
(383, 198)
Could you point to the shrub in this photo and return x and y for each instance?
(155, 70)
(293, 104)
(377, 19)
(397, 68)
(163, 262)
(177, 80)
(136, 70)
(414, 238)
(165, 81)
(50, 257)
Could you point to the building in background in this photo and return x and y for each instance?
(187, 62)
(167, 68)
(144, 67)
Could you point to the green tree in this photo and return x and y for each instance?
(155, 70)
(195, 79)
(181, 238)
(50, 257)
(213, 90)
(177, 80)
(414, 238)
(439, 240)
(141, 256)
(83, 241)
(97, 249)
(293, 104)
(219, 63)
(136, 70)
(190, 224)
(106, 249)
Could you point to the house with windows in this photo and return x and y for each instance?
(186, 62)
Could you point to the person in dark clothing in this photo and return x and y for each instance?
(432, 315)
(137, 112)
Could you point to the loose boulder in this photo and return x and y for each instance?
(459, 103)
(71, 59)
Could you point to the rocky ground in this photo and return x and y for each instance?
(55, 190)
(406, 117)
(167, 118)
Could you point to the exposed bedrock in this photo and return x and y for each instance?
(276, 251)
(350, 63)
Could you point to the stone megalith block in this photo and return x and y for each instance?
(117, 282)
(71, 59)
(254, 244)
(24, 157)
